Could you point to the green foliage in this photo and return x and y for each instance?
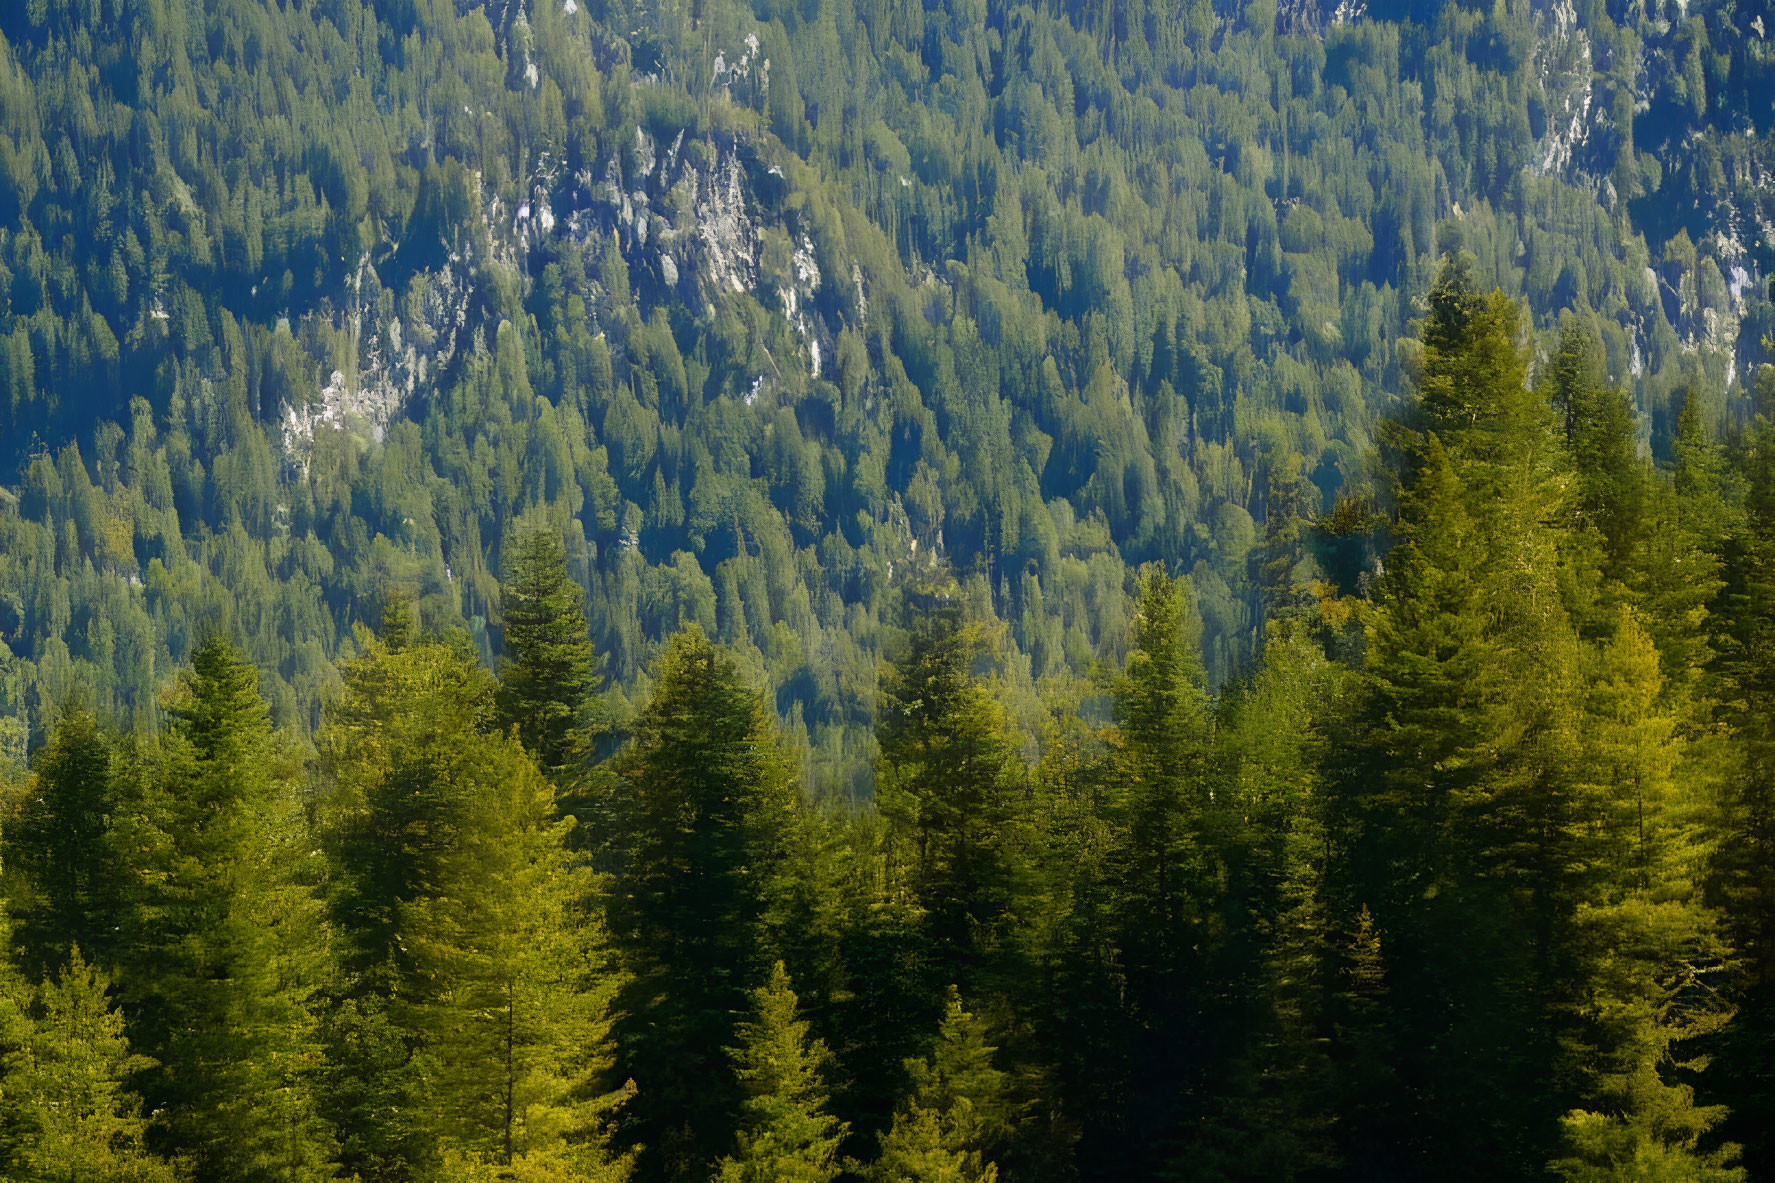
(785, 1132)
(66, 1112)
(62, 844)
(546, 687)
(699, 855)
(957, 1113)
(474, 1030)
(969, 437)
(228, 951)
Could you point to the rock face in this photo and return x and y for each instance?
(1565, 69)
(1312, 16)
(685, 217)
(397, 348)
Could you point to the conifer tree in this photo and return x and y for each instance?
(1652, 942)
(1163, 860)
(1457, 800)
(1601, 436)
(549, 677)
(474, 1031)
(229, 951)
(1688, 522)
(707, 796)
(66, 1112)
(785, 1132)
(1744, 865)
(947, 783)
(957, 1114)
(63, 844)
(396, 627)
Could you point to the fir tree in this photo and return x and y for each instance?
(62, 842)
(66, 1112)
(958, 1113)
(1653, 943)
(549, 676)
(785, 1132)
(478, 1003)
(1458, 801)
(225, 961)
(1602, 438)
(706, 799)
(947, 784)
(1163, 860)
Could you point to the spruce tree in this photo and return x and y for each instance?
(549, 677)
(707, 796)
(1743, 878)
(1602, 439)
(958, 1113)
(473, 1031)
(1163, 859)
(1651, 942)
(785, 1132)
(1457, 797)
(66, 1112)
(947, 784)
(222, 968)
(63, 844)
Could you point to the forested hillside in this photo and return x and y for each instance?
(899, 591)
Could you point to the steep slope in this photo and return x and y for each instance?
(757, 303)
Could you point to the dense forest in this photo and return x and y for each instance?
(891, 591)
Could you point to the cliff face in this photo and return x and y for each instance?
(686, 218)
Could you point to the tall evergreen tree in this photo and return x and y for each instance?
(66, 1111)
(473, 1030)
(1602, 437)
(222, 969)
(1458, 808)
(785, 1132)
(63, 845)
(1651, 943)
(707, 793)
(1744, 866)
(548, 679)
(958, 1113)
(1163, 857)
(947, 784)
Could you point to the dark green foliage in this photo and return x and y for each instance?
(706, 798)
(1052, 525)
(785, 1133)
(948, 786)
(472, 1025)
(224, 961)
(67, 1112)
(957, 1113)
(547, 681)
(63, 845)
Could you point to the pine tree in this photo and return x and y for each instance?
(958, 1113)
(1601, 436)
(785, 1132)
(1653, 944)
(222, 969)
(63, 844)
(1743, 878)
(549, 676)
(702, 819)
(474, 1031)
(947, 783)
(1457, 797)
(66, 1112)
(396, 629)
(1163, 858)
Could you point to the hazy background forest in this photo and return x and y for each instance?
(1197, 575)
